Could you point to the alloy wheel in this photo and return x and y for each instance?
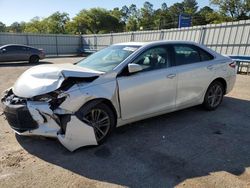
(215, 95)
(100, 121)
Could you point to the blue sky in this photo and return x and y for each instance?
(24, 10)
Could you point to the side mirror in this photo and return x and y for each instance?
(3, 50)
(132, 68)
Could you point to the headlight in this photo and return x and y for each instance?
(54, 98)
(43, 98)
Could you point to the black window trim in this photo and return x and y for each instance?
(199, 49)
(167, 46)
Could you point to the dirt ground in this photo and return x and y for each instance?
(188, 148)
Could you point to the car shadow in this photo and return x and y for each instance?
(162, 151)
(22, 63)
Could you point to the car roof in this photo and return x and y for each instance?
(157, 42)
(16, 45)
(132, 43)
(163, 42)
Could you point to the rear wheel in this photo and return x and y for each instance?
(34, 59)
(100, 117)
(214, 95)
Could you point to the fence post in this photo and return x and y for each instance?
(111, 38)
(27, 39)
(241, 37)
(202, 35)
(56, 46)
(132, 37)
(81, 42)
(95, 42)
(161, 35)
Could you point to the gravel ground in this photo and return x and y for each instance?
(188, 148)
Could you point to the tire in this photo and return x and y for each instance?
(34, 59)
(214, 95)
(105, 117)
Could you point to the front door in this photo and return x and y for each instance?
(151, 90)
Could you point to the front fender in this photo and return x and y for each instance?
(79, 95)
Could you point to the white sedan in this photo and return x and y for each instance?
(81, 104)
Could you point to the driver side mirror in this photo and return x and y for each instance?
(132, 68)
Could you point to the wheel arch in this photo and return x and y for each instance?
(105, 101)
(222, 81)
(34, 55)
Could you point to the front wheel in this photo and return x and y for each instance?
(213, 96)
(100, 117)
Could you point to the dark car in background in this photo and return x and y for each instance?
(16, 52)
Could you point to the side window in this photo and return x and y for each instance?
(13, 48)
(9, 48)
(187, 54)
(23, 48)
(154, 58)
(205, 56)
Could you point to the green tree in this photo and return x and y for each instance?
(175, 11)
(132, 25)
(2, 27)
(147, 16)
(118, 14)
(16, 27)
(162, 18)
(36, 25)
(96, 20)
(236, 9)
(190, 7)
(72, 28)
(125, 13)
(56, 22)
(133, 16)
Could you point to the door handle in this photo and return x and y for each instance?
(171, 76)
(210, 67)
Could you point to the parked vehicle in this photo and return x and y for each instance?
(16, 52)
(81, 104)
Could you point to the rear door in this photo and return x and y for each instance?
(151, 90)
(23, 53)
(195, 72)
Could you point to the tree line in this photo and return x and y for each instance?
(132, 18)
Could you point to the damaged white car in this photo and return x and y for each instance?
(80, 104)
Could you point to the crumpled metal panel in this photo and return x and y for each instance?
(78, 134)
(43, 79)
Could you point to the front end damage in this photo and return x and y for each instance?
(43, 115)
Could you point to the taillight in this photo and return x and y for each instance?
(41, 50)
(233, 64)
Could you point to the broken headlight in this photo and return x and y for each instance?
(53, 98)
(43, 98)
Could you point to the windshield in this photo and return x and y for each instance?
(107, 59)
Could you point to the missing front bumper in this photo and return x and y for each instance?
(19, 117)
(78, 134)
(36, 118)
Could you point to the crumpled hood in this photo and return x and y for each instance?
(42, 79)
